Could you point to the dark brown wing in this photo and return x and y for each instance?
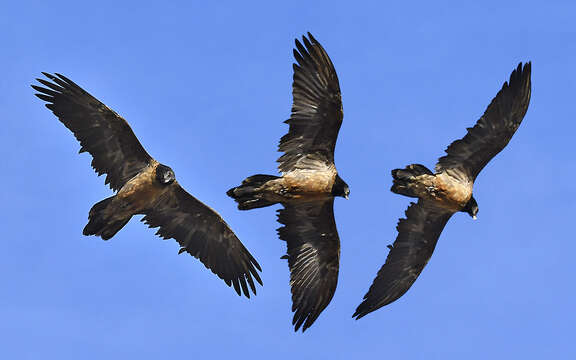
(203, 234)
(468, 156)
(313, 256)
(316, 110)
(416, 240)
(104, 134)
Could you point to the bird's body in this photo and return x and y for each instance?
(297, 184)
(308, 183)
(443, 189)
(302, 182)
(144, 186)
(446, 191)
(137, 196)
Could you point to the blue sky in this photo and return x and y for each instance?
(206, 87)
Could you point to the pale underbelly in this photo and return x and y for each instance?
(309, 182)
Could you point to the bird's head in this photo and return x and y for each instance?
(471, 208)
(164, 175)
(340, 188)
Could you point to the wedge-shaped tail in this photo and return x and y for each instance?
(404, 179)
(250, 194)
(100, 223)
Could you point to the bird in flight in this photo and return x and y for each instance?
(308, 184)
(445, 192)
(144, 186)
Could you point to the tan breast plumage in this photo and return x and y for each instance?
(142, 190)
(310, 181)
(450, 192)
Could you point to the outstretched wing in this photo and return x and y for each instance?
(104, 134)
(316, 110)
(313, 256)
(202, 233)
(416, 240)
(468, 156)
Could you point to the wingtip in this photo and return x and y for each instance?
(302, 320)
(528, 67)
(35, 86)
(48, 75)
(297, 43)
(245, 290)
(357, 315)
(361, 312)
(521, 74)
(307, 43)
(236, 285)
(257, 266)
(522, 68)
(249, 277)
(65, 79)
(257, 276)
(298, 324)
(311, 37)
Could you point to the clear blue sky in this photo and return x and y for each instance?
(206, 88)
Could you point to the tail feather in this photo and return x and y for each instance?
(405, 178)
(101, 225)
(249, 195)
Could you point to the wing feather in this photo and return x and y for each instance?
(313, 256)
(316, 109)
(468, 156)
(102, 132)
(417, 236)
(203, 233)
